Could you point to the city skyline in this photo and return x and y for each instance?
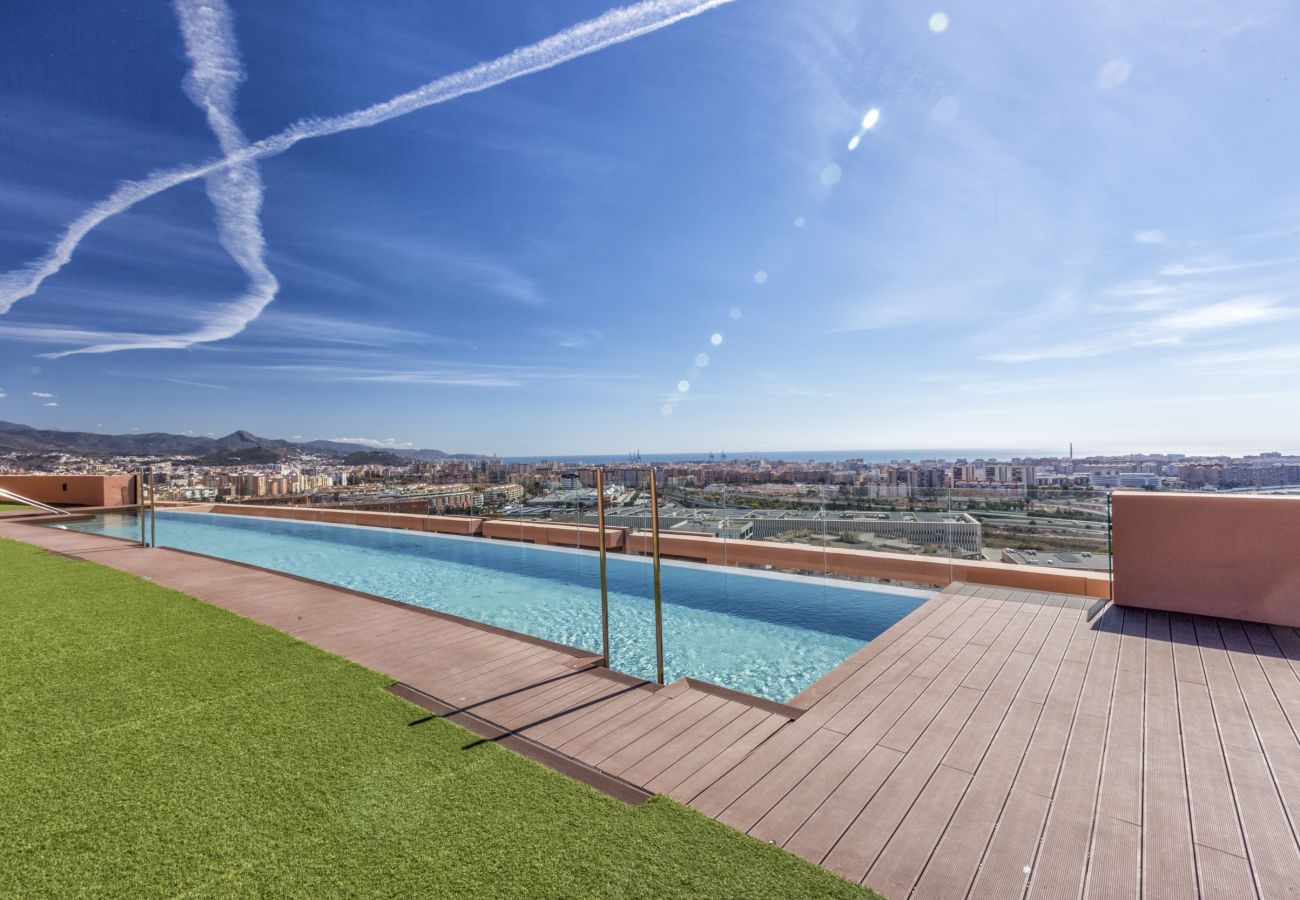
(901, 227)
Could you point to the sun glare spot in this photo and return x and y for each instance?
(870, 119)
(854, 141)
(683, 386)
(701, 360)
(760, 277)
(715, 339)
(799, 222)
(735, 312)
(939, 22)
(831, 175)
(666, 409)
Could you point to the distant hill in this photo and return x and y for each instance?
(244, 456)
(375, 458)
(236, 448)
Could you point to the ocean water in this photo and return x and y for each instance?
(765, 634)
(871, 456)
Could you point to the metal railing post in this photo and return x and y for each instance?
(1110, 545)
(153, 511)
(604, 584)
(139, 500)
(654, 543)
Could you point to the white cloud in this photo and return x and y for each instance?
(1144, 288)
(1227, 314)
(51, 403)
(42, 394)
(785, 391)
(386, 443)
(1169, 330)
(1288, 353)
(1181, 269)
(1150, 236)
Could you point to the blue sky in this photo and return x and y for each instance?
(1067, 222)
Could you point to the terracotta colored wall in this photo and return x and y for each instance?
(712, 550)
(1232, 555)
(82, 490)
(556, 535)
(872, 564)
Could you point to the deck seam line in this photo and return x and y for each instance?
(912, 805)
(971, 780)
(1263, 747)
(993, 608)
(1218, 733)
(1042, 707)
(965, 601)
(992, 737)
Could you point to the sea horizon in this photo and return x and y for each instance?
(871, 456)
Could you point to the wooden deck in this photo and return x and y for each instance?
(992, 744)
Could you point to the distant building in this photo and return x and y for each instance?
(1091, 562)
(1135, 480)
(958, 530)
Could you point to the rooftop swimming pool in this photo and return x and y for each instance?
(766, 634)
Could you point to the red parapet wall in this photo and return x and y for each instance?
(1230, 555)
(73, 490)
(871, 564)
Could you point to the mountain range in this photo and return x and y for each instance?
(238, 446)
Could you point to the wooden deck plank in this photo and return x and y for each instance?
(1270, 842)
(861, 843)
(1046, 748)
(724, 759)
(936, 606)
(639, 749)
(1008, 864)
(1062, 859)
(956, 859)
(655, 763)
(1116, 869)
(900, 864)
(1168, 862)
(752, 805)
(1224, 876)
(1212, 805)
(815, 837)
(1272, 727)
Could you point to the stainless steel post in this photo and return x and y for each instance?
(654, 543)
(1110, 545)
(604, 584)
(139, 500)
(153, 510)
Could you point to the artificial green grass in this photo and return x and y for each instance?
(6, 507)
(151, 744)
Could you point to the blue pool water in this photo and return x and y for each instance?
(765, 634)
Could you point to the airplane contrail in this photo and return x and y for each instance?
(613, 27)
(236, 192)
